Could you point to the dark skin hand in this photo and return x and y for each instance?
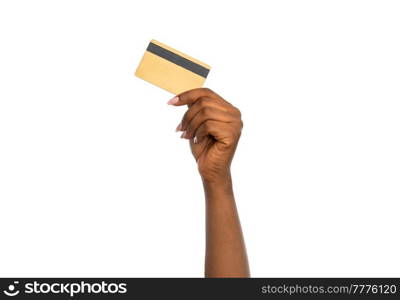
(213, 127)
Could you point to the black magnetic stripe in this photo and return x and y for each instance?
(178, 60)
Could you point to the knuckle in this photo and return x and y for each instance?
(208, 90)
(237, 111)
(236, 132)
(202, 101)
(230, 141)
(189, 132)
(183, 96)
(205, 111)
(207, 126)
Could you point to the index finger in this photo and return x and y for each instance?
(190, 97)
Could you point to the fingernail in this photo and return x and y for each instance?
(183, 135)
(195, 140)
(173, 100)
(179, 128)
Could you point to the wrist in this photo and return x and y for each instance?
(216, 178)
(220, 185)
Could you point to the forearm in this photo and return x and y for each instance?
(225, 248)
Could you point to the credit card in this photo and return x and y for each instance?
(171, 69)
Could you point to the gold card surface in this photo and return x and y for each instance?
(170, 69)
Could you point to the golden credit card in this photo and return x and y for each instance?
(171, 69)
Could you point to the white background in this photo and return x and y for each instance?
(95, 182)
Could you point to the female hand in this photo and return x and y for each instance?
(213, 127)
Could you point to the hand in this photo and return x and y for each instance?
(213, 127)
